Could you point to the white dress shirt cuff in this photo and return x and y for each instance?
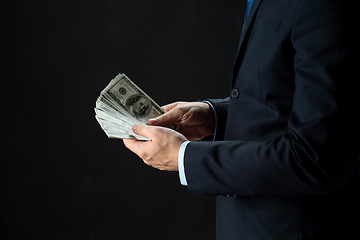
(181, 163)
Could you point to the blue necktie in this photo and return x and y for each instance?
(248, 6)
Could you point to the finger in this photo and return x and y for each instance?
(142, 130)
(170, 106)
(132, 145)
(172, 116)
(137, 147)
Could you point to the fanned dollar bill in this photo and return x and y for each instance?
(121, 105)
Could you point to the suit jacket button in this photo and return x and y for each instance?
(235, 93)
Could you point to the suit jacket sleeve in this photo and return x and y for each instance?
(314, 155)
(221, 108)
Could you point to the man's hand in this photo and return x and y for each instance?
(195, 119)
(161, 151)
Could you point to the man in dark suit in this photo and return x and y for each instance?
(284, 159)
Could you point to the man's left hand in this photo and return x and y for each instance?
(161, 151)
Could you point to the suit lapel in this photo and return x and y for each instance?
(247, 22)
(244, 32)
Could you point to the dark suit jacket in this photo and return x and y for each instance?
(284, 164)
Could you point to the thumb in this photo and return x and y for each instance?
(172, 116)
(142, 130)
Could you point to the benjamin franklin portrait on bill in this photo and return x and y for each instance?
(139, 105)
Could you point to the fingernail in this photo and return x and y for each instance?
(152, 120)
(134, 127)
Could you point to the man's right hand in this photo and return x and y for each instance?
(195, 119)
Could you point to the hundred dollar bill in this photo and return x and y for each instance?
(120, 135)
(130, 99)
(101, 106)
(109, 119)
(114, 130)
(121, 105)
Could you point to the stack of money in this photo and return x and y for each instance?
(121, 105)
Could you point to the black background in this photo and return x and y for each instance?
(62, 178)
